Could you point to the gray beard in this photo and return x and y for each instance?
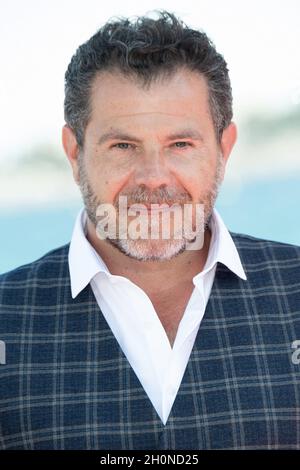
(149, 250)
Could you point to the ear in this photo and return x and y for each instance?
(228, 140)
(71, 149)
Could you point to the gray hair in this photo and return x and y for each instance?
(145, 49)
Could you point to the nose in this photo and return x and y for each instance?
(152, 170)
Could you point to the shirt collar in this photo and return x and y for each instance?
(85, 262)
(222, 248)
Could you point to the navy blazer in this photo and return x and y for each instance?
(65, 383)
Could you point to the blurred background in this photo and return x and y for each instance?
(260, 42)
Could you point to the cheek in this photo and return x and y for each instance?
(196, 176)
(106, 178)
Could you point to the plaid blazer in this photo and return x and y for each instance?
(66, 383)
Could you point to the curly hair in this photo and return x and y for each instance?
(145, 49)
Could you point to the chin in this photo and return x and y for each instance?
(150, 250)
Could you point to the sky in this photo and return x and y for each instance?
(259, 40)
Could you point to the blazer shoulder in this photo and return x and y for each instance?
(48, 265)
(269, 248)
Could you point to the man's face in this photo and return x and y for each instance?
(155, 145)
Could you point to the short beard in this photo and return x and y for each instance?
(150, 249)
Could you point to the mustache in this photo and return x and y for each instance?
(143, 195)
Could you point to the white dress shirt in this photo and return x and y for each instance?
(133, 320)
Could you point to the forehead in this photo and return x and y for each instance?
(182, 94)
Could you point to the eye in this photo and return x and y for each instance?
(182, 144)
(122, 145)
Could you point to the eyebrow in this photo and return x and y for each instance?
(117, 134)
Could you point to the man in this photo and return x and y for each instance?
(118, 341)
